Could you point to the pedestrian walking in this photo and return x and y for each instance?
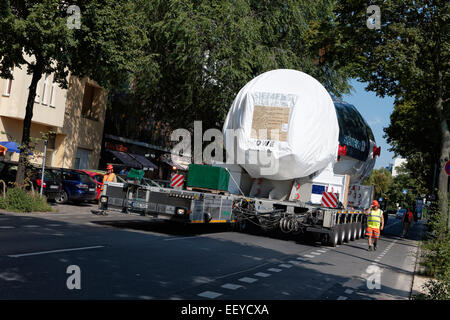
(407, 221)
(375, 223)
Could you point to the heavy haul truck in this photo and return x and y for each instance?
(296, 158)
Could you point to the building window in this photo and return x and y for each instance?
(8, 87)
(49, 157)
(82, 158)
(91, 103)
(44, 89)
(37, 98)
(52, 95)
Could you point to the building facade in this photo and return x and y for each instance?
(74, 117)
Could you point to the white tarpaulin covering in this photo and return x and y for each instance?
(285, 126)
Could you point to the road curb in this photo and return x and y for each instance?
(418, 279)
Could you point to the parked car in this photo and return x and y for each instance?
(400, 213)
(98, 178)
(77, 187)
(52, 185)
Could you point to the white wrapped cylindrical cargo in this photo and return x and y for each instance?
(282, 125)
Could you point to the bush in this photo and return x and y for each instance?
(19, 200)
(436, 257)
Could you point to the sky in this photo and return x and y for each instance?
(376, 111)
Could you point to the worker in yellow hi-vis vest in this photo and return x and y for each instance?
(375, 223)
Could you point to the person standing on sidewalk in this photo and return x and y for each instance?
(375, 223)
(407, 221)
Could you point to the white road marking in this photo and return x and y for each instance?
(53, 225)
(274, 270)
(285, 265)
(52, 251)
(348, 291)
(342, 298)
(7, 227)
(231, 286)
(262, 274)
(209, 294)
(248, 280)
(308, 256)
(31, 226)
(323, 251)
(181, 238)
(316, 253)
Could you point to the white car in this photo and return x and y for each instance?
(400, 213)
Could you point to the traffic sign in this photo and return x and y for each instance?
(447, 167)
(380, 199)
(405, 191)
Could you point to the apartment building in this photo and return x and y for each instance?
(75, 117)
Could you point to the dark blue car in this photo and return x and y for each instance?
(77, 187)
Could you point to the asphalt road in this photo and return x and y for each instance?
(129, 257)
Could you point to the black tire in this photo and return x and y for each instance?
(358, 230)
(333, 236)
(341, 231)
(348, 231)
(63, 198)
(354, 233)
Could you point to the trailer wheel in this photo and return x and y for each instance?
(353, 230)
(348, 232)
(358, 230)
(333, 236)
(341, 232)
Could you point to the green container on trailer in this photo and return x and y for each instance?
(208, 177)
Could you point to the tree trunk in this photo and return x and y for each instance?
(445, 150)
(25, 145)
(443, 177)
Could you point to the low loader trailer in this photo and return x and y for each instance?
(332, 226)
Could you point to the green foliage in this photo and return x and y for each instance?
(201, 53)
(36, 34)
(436, 256)
(381, 179)
(19, 200)
(406, 58)
(405, 180)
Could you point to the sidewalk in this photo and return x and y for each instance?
(419, 279)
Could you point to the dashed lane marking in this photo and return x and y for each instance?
(248, 280)
(348, 291)
(308, 256)
(316, 253)
(262, 274)
(285, 265)
(231, 286)
(7, 227)
(342, 298)
(209, 294)
(274, 270)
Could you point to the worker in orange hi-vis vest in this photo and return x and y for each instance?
(375, 223)
(110, 176)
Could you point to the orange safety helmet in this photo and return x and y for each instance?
(375, 203)
(109, 167)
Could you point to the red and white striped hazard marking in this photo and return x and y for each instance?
(329, 199)
(177, 180)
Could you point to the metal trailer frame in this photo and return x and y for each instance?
(332, 226)
(169, 204)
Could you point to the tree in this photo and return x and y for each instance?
(407, 57)
(381, 179)
(202, 53)
(43, 36)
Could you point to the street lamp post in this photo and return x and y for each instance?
(43, 168)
